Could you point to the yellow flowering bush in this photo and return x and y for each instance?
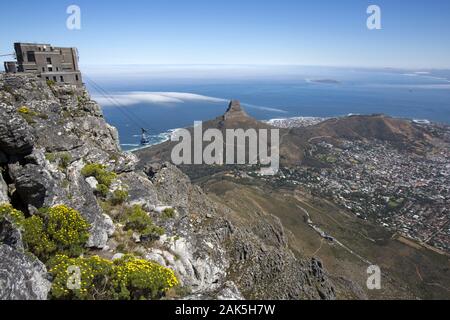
(67, 227)
(56, 229)
(33, 227)
(128, 278)
(15, 216)
(141, 279)
(23, 110)
(94, 282)
(27, 114)
(37, 239)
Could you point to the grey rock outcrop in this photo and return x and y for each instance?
(213, 248)
(16, 137)
(85, 202)
(3, 190)
(10, 235)
(46, 147)
(21, 276)
(33, 183)
(140, 189)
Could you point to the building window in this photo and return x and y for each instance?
(49, 60)
(54, 79)
(30, 56)
(46, 78)
(43, 69)
(62, 79)
(76, 77)
(50, 69)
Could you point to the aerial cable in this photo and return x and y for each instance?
(115, 103)
(108, 96)
(124, 110)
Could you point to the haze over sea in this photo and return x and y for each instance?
(163, 98)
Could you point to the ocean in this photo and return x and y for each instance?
(163, 98)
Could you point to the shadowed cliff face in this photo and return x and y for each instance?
(48, 134)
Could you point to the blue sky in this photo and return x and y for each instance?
(415, 33)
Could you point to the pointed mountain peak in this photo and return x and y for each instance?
(235, 111)
(234, 105)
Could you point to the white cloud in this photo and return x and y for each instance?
(139, 97)
(264, 108)
(190, 97)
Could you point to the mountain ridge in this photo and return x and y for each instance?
(294, 141)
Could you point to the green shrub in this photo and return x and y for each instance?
(102, 190)
(50, 83)
(138, 220)
(43, 116)
(128, 278)
(65, 183)
(99, 172)
(92, 169)
(168, 213)
(51, 157)
(63, 159)
(59, 229)
(119, 197)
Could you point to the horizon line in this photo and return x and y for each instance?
(264, 65)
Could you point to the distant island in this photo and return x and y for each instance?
(325, 81)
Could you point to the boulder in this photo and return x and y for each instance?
(33, 183)
(22, 277)
(140, 189)
(16, 136)
(93, 183)
(196, 269)
(10, 235)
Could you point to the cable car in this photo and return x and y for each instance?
(145, 137)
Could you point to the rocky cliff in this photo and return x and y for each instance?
(49, 133)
